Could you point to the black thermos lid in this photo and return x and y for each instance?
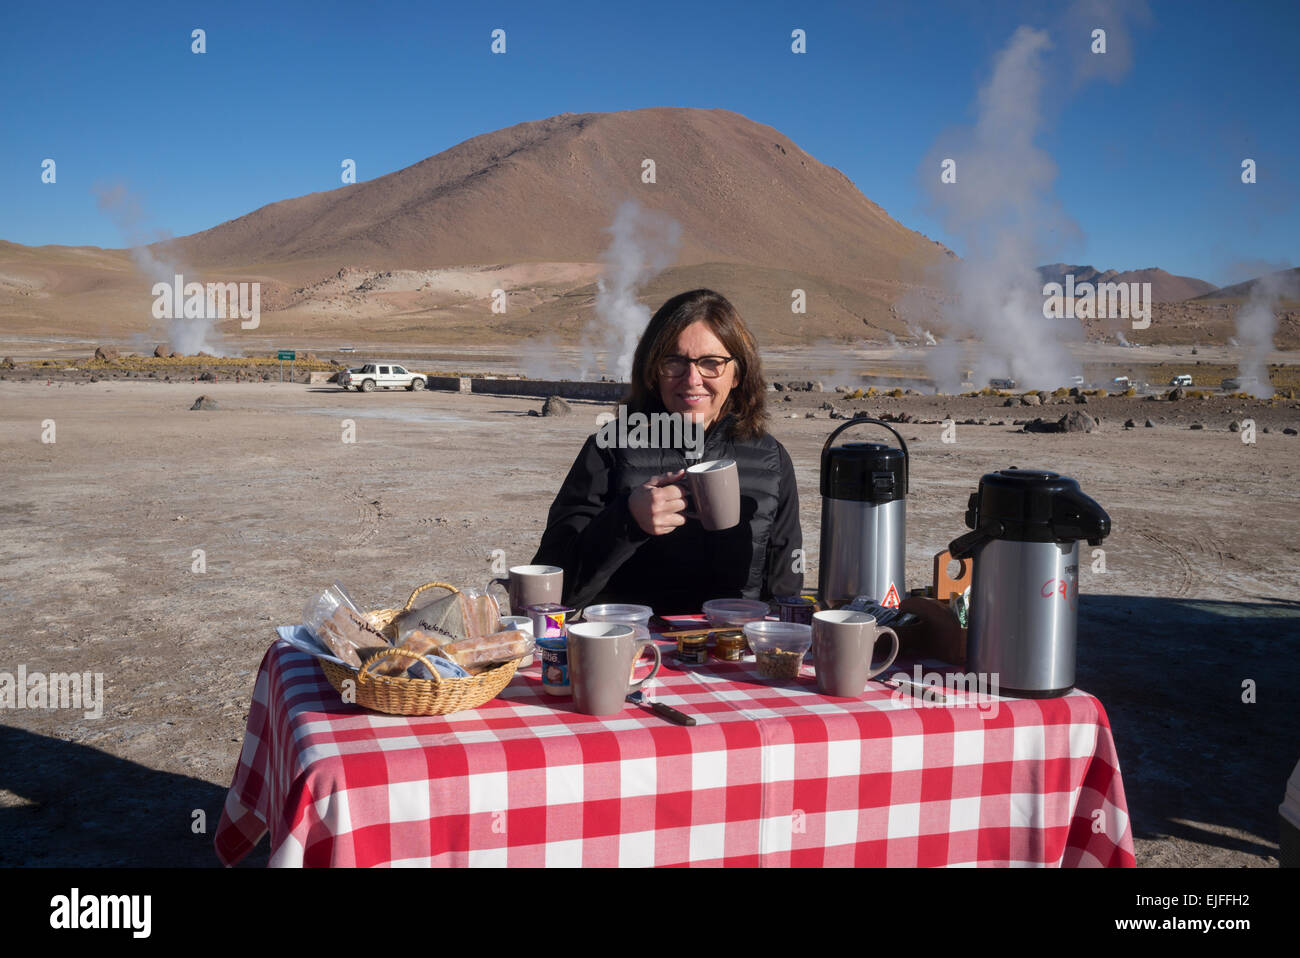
(865, 472)
(1033, 505)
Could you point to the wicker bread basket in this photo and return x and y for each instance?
(398, 695)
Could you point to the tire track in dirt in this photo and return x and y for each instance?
(1182, 573)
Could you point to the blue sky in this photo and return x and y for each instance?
(1148, 167)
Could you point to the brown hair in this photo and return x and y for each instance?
(747, 402)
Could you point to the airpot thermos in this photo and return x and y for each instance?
(864, 519)
(1025, 586)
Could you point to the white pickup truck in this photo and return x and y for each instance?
(374, 376)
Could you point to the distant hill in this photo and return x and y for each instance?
(547, 191)
(1286, 282)
(1165, 287)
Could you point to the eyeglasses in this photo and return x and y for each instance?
(710, 367)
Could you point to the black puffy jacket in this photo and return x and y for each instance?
(607, 557)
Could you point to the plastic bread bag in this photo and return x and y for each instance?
(468, 614)
(340, 628)
(479, 653)
(323, 606)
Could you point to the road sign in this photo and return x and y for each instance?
(286, 354)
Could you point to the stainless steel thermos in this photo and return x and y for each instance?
(1026, 525)
(864, 519)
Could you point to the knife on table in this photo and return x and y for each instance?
(660, 709)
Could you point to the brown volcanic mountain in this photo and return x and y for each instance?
(1165, 287)
(547, 191)
(415, 254)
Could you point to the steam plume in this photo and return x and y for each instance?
(644, 244)
(151, 252)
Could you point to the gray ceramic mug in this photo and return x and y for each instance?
(532, 585)
(843, 644)
(601, 658)
(714, 488)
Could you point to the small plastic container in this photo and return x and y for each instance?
(636, 616)
(734, 612)
(617, 612)
(779, 647)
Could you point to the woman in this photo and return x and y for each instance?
(618, 526)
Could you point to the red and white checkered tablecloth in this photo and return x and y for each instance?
(773, 774)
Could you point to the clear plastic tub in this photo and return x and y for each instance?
(616, 612)
(779, 647)
(734, 612)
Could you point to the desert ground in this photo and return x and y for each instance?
(1200, 595)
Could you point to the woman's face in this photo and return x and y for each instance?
(692, 394)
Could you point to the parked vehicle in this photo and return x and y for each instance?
(1002, 384)
(386, 375)
(1231, 385)
(1123, 382)
(1183, 380)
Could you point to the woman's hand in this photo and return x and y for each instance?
(657, 505)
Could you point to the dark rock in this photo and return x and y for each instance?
(1081, 398)
(94, 379)
(1149, 424)
(787, 399)
(1012, 401)
(1076, 421)
(534, 412)
(1074, 390)
(1234, 426)
(1176, 394)
(1073, 421)
(1129, 424)
(1288, 431)
(207, 377)
(779, 387)
(1196, 425)
(555, 406)
(204, 402)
